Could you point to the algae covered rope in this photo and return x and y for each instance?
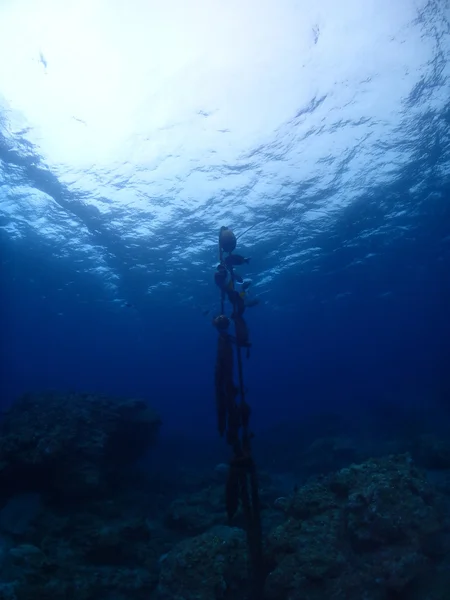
(233, 416)
(227, 239)
(250, 498)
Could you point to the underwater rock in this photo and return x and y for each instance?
(327, 454)
(221, 471)
(196, 513)
(310, 500)
(18, 514)
(7, 591)
(434, 586)
(86, 555)
(5, 544)
(210, 566)
(23, 563)
(367, 531)
(432, 452)
(83, 583)
(71, 445)
(120, 542)
(389, 502)
(27, 556)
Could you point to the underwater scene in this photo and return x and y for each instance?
(225, 300)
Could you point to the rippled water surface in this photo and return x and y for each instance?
(128, 136)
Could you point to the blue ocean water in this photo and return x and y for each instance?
(320, 133)
(130, 133)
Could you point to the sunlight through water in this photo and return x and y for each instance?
(129, 132)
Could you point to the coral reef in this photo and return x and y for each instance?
(71, 444)
(76, 524)
(209, 566)
(366, 531)
(196, 513)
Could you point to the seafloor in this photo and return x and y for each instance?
(94, 507)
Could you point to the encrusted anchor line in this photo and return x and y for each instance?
(233, 411)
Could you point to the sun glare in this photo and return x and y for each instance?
(87, 75)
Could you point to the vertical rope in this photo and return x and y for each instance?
(242, 483)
